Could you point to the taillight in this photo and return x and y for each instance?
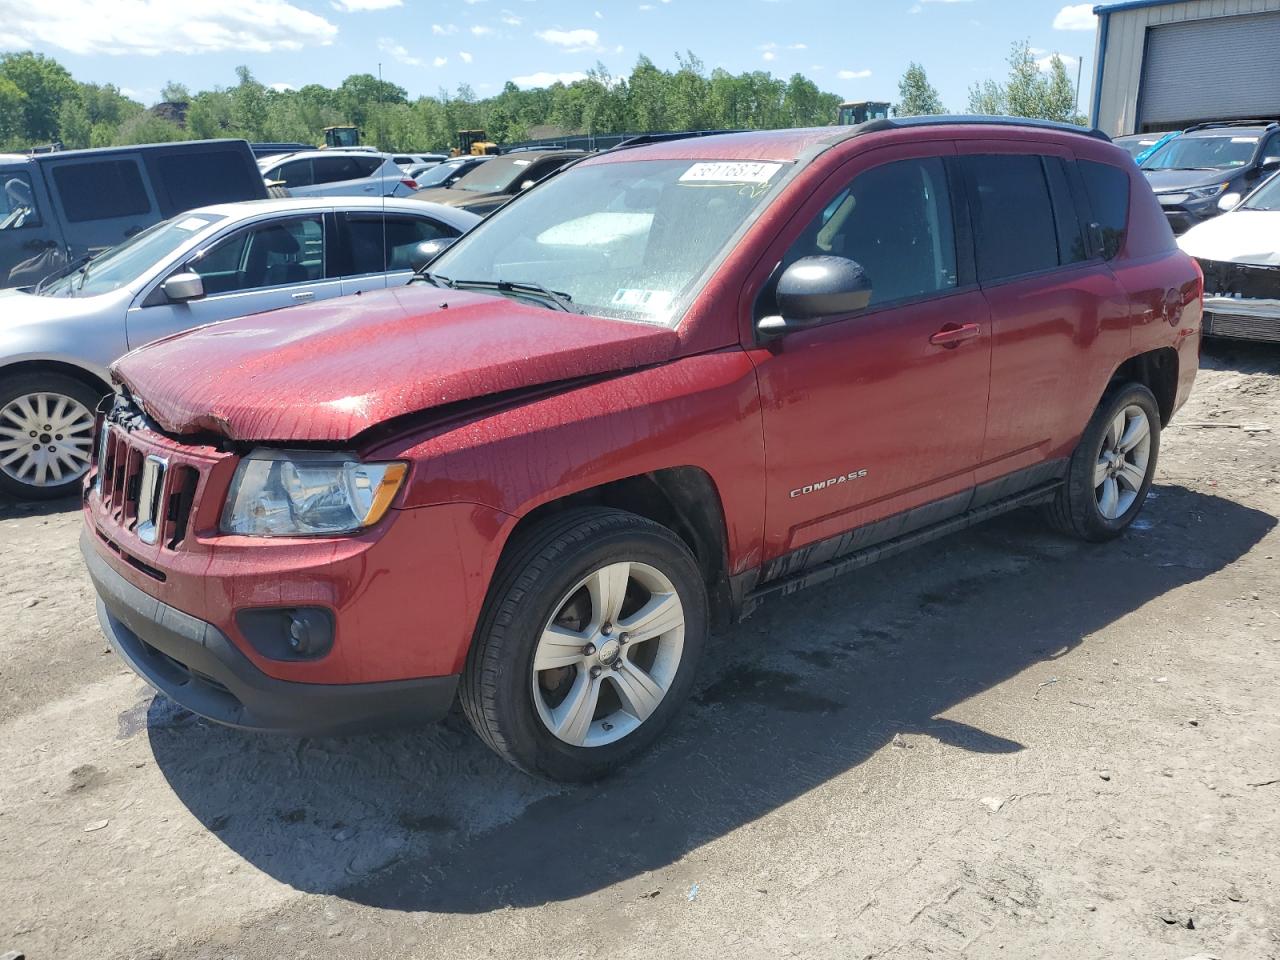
(410, 183)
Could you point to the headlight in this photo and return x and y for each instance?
(298, 493)
(1205, 193)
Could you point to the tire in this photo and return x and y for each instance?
(1098, 510)
(567, 569)
(66, 406)
(276, 191)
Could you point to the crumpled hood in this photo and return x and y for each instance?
(1165, 181)
(327, 371)
(1242, 236)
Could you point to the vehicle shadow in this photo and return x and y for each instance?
(12, 507)
(803, 692)
(1244, 356)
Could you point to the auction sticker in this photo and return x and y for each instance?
(647, 300)
(722, 171)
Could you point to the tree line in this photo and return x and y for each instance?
(40, 102)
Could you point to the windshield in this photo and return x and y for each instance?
(1137, 145)
(123, 264)
(436, 175)
(1266, 197)
(1204, 153)
(626, 240)
(493, 176)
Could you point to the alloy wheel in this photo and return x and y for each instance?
(609, 654)
(1123, 461)
(45, 439)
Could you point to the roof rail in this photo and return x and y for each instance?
(896, 123)
(646, 138)
(1210, 124)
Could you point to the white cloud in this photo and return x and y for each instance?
(768, 55)
(545, 79)
(154, 27)
(1075, 16)
(645, 6)
(359, 6)
(599, 15)
(443, 30)
(479, 31)
(853, 74)
(572, 41)
(277, 87)
(464, 56)
(1044, 58)
(439, 61)
(397, 52)
(797, 46)
(916, 8)
(510, 19)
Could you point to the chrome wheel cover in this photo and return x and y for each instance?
(608, 655)
(1123, 461)
(45, 439)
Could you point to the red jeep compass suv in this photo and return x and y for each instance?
(668, 383)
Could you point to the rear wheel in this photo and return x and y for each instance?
(1112, 467)
(588, 645)
(46, 435)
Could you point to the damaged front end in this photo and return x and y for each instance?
(1241, 300)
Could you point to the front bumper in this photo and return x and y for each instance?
(1242, 319)
(194, 663)
(1184, 215)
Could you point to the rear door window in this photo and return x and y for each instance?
(337, 169)
(191, 180)
(1013, 224)
(1108, 191)
(296, 173)
(101, 190)
(375, 243)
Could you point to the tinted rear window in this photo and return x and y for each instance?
(1014, 227)
(198, 179)
(1108, 190)
(101, 190)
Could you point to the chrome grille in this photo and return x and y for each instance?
(146, 490)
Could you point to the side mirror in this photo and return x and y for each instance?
(428, 250)
(182, 287)
(1228, 201)
(816, 289)
(1271, 163)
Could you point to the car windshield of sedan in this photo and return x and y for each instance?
(1204, 153)
(496, 175)
(1266, 197)
(434, 176)
(626, 239)
(123, 264)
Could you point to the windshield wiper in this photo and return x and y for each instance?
(560, 299)
(435, 279)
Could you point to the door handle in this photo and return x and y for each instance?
(304, 295)
(952, 335)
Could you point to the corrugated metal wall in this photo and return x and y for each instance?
(1126, 40)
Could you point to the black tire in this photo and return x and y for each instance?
(1075, 509)
(534, 577)
(276, 191)
(54, 383)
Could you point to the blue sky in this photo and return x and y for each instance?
(857, 48)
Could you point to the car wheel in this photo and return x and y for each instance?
(588, 644)
(46, 435)
(1112, 467)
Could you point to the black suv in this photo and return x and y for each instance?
(1193, 172)
(57, 208)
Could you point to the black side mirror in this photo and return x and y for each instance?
(1270, 163)
(814, 290)
(428, 250)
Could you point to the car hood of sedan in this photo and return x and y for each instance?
(1164, 181)
(453, 197)
(328, 371)
(1242, 236)
(19, 309)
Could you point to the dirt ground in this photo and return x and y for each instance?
(1005, 745)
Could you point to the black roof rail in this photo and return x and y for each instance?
(1210, 124)
(969, 119)
(646, 138)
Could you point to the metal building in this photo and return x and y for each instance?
(1166, 64)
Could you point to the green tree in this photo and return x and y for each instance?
(248, 106)
(174, 92)
(919, 98)
(1024, 92)
(1028, 92)
(361, 93)
(147, 128)
(12, 113)
(45, 84)
(75, 129)
(987, 99)
(1060, 94)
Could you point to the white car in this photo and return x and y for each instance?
(1239, 253)
(337, 173)
(209, 264)
(408, 161)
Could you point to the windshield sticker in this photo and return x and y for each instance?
(191, 223)
(1244, 139)
(647, 300)
(735, 172)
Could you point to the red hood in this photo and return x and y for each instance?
(327, 371)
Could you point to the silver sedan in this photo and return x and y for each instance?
(210, 264)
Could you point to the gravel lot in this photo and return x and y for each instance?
(1007, 744)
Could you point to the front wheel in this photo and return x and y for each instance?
(588, 645)
(46, 435)
(1112, 467)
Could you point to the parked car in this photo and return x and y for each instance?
(264, 151)
(1191, 173)
(1239, 253)
(338, 173)
(1141, 145)
(670, 383)
(446, 174)
(486, 188)
(208, 264)
(58, 208)
(423, 160)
